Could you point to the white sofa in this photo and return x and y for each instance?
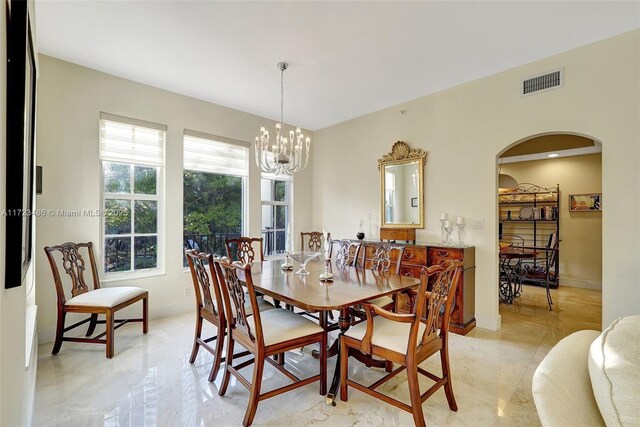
(591, 378)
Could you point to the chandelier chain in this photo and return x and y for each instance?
(282, 68)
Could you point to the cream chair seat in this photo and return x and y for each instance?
(381, 301)
(386, 333)
(105, 297)
(280, 325)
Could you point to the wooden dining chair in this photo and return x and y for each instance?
(313, 241)
(245, 249)
(264, 334)
(208, 307)
(82, 299)
(408, 339)
(382, 257)
(345, 252)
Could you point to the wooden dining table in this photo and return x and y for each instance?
(350, 286)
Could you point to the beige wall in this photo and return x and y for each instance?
(463, 129)
(70, 100)
(580, 232)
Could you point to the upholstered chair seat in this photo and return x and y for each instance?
(382, 301)
(280, 325)
(387, 334)
(106, 297)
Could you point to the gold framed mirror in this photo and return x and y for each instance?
(402, 186)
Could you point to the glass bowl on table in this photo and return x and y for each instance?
(302, 258)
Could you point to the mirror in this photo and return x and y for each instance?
(401, 186)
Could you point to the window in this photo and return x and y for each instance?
(132, 154)
(276, 208)
(215, 173)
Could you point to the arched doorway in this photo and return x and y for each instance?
(570, 163)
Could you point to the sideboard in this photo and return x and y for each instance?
(416, 256)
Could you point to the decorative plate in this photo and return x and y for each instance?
(526, 212)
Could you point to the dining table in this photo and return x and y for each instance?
(512, 271)
(350, 286)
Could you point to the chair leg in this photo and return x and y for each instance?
(92, 325)
(414, 392)
(228, 362)
(344, 368)
(218, 356)
(59, 332)
(446, 373)
(254, 397)
(197, 335)
(323, 364)
(109, 323)
(145, 315)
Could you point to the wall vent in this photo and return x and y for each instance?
(542, 82)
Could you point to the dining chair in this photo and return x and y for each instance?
(208, 299)
(544, 272)
(408, 339)
(245, 249)
(96, 301)
(382, 257)
(345, 252)
(313, 241)
(264, 334)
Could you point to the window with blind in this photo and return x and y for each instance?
(132, 155)
(214, 180)
(275, 193)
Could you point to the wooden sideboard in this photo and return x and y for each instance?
(420, 255)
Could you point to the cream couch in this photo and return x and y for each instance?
(591, 378)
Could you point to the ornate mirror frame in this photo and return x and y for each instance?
(402, 153)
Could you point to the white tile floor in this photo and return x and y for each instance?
(150, 381)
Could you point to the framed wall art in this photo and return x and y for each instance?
(21, 127)
(585, 202)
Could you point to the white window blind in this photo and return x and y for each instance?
(125, 140)
(206, 154)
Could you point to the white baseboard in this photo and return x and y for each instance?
(48, 335)
(581, 283)
(488, 322)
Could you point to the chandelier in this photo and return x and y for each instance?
(283, 155)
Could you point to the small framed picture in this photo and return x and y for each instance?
(414, 202)
(585, 202)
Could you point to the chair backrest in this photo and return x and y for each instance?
(380, 256)
(313, 241)
(74, 265)
(234, 299)
(205, 280)
(514, 240)
(552, 247)
(344, 252)
(245, 249)
(442, 280)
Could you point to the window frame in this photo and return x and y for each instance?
(244, 177)
(131, 196)
(288, 229)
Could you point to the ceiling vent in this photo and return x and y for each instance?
(542, 82)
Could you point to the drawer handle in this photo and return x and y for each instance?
(443, 253)
(408, 274)
(408, 255)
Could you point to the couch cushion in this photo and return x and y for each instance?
(561, 385)
(106, 297)
(614, 367)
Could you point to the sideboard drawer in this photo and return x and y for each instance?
(415, 255)
(438, 255)
(394, 234)
(410, 271)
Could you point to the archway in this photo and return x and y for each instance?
(572, 162)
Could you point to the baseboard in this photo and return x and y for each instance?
(47, 335)
(488, 322)
(581, 283)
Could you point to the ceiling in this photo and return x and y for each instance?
(346, 59)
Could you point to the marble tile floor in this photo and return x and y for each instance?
(150, 382)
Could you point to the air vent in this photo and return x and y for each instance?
(543, 82)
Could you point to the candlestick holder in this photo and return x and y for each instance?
(442, 232)
(461, 234)
(448, 228)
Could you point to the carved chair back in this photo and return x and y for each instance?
(442, 281)
(313, 241)
(345, 252)
(73, 263)
(245, 249)
(382, 256)
(205, 282)
(231, 275)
